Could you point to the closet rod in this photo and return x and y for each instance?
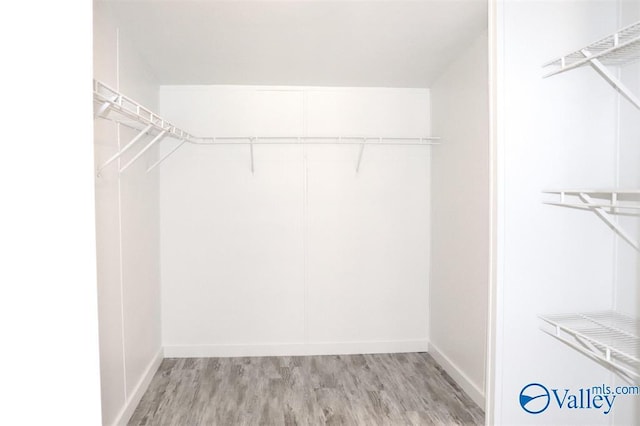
(298, 140)
(316, 140)
(133, 115)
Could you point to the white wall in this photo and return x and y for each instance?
(628, 174)
(127, 227)
(552, 133)
(460, 219)
(48, 310)
(305, 255)
(627, 273)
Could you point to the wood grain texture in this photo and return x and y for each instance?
(382, 389)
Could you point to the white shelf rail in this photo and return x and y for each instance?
(604, 203)
(113, 105)
(619, 48)
(608, 337)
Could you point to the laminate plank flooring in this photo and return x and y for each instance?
(382, 389)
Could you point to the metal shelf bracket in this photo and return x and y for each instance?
(102, 109)
(612, 80)
(619, 48)
(251, 153)
(143, 150)
(164, 157)
(360, 155)
(618, 201)
(610, 338)
(125, 149)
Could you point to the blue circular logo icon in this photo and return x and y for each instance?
(534, 398)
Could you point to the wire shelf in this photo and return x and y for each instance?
(619, 48)
(613, 201)
(609, 337)
(605, 204)
(132, 113)
(112, 105)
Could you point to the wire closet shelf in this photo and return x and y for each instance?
(112, 105)
(619, 48)
(608, 337)
(605, 203)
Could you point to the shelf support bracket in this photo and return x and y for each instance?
(364, 140)
(618, 369)
(602, 214)
(174, 149)
(143, 150)
(251, 154)
(125, 149)
(103, 108)
(612, 79)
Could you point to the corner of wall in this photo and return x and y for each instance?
(141, 387)
(461, 219)
(127, 228)
(457, 374)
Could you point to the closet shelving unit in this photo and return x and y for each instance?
(610, 338)
(112, 105)
(619, 48)
(605, 203)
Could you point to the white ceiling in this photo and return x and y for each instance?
(314, 43)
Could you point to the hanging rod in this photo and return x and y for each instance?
(133, 115)
(298, 140)
(316, 140)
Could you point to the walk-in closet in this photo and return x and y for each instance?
(276, 213)
(322, 212)
(294, 211)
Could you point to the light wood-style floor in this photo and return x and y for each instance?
(386, 389)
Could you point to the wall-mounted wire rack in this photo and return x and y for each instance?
(605, 203)
(112, 105)
(619, 48)
(610, 338)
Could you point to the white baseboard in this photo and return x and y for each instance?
(135, 397)
(467, 385)
(295, 349)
